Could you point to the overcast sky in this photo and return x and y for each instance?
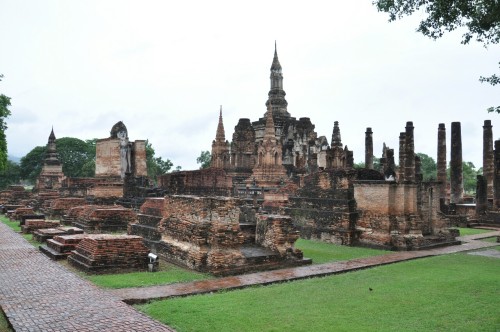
(164, 67)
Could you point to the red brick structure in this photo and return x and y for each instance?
(105, 253)
(99, 218)
(206, 234)
(61, 206)
(31, 225)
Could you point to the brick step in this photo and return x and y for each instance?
(52, 254)
(42, 235)
(60, 247)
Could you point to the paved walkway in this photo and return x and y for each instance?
(144, 294)
(38, 294)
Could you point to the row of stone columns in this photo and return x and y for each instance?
(491, 160)
(487, 183)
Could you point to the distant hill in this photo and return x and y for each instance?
(16, 160)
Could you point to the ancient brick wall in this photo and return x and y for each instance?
(107, 190)
(108, 162)
(98, 218)
(211, 181)
(324, 208)
(60, 206)
(139, 158)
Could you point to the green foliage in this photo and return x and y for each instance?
(204, 159)
(4, 114)
(77, 157)
(376, 164)
(480, 18)
(321, 252)
(167, 274)
(402, 294)
(10, 175)
(31, 164)
(156, 166)
(470, 177)
(428, 167)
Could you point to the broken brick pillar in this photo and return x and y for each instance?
(456, 171)
(369, 148)
(481, 195)
(441, 162)
(401, 172)
(496, 180)
(418, 169)
(488, 159)
(409, 153)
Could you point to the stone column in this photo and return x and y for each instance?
(369, 148)
(456, 172)
(488, 158)
(401, 170)
(481, 195)
(496, 179)
(409, 153)
(441, 161)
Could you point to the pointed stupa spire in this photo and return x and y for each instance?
(52, 136)
(276, 66)
(51, 151)
(336, 141)
(270, 131)
(220, 136)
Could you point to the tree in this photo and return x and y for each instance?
(156, 166)
(10, 175)
(77, 157)
(470, 177)
(480, 18)
(204, 159)
(376, 164)
(31, 164)
(4, 114)
(428, 167)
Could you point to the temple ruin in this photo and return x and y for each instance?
(273, 181)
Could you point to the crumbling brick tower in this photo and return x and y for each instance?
(52, 174)
(220, 147)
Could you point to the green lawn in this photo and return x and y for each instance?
(322, 252)
(12, 224)
(471, 231)
(168, 274)
(4, 324)
(447, 293)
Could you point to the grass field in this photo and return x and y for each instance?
(447, 293)
(12, 224)
(168, 274)
(322, 252)
(471, 231)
